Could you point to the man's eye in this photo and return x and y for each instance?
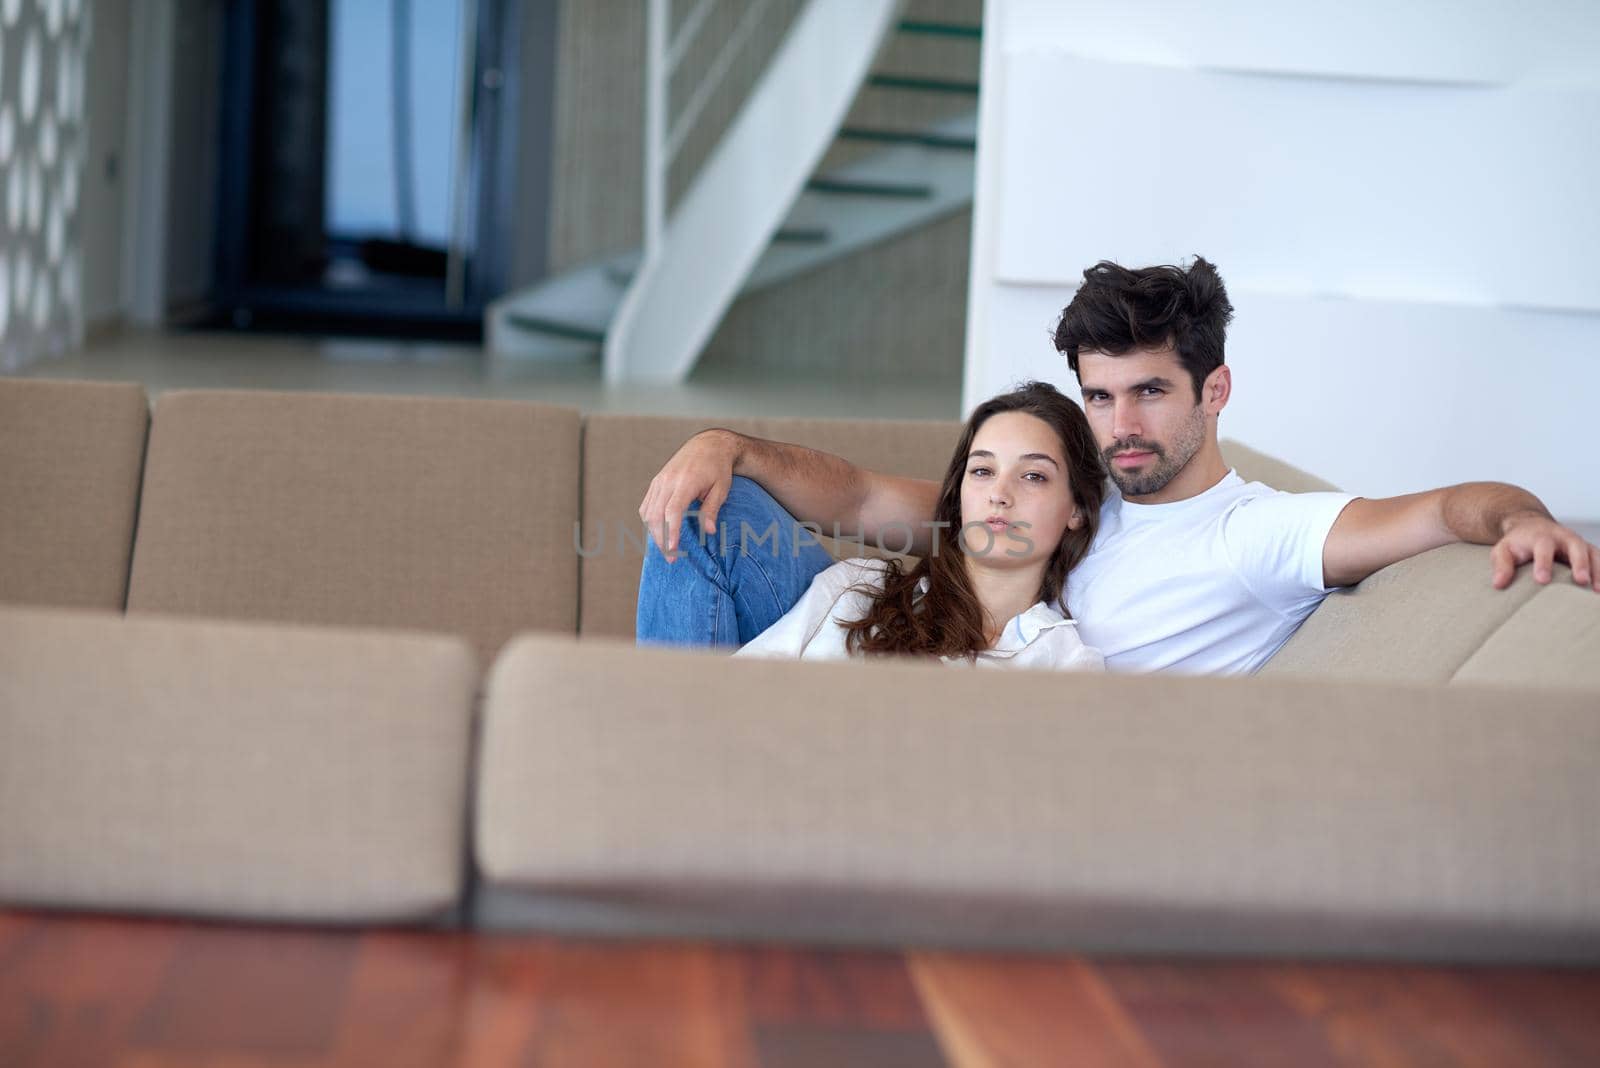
(1153, 391)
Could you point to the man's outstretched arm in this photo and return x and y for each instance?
(816, 487)
(1372, 534)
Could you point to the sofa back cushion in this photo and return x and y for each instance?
(1550, 641)
(1254, 466)
(70, 454)
(248, 770)
(435, 513)
(1435, 618)
(622, 453)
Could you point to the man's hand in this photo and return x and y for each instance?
(1372, 534)
(701, 469)
(1532, 537)
(817, 488)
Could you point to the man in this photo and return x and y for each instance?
(1193, 569)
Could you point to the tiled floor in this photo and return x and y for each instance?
(179, 360)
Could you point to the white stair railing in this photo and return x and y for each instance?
(697, 258)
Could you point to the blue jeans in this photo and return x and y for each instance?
(731, 584)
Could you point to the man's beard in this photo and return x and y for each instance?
(1166, 465)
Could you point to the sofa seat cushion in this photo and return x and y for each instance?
(70, 456)
(432, 513)
(245, 770)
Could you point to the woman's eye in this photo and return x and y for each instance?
(1036, 476)
(978, 472)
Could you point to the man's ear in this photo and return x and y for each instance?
(1216, 390)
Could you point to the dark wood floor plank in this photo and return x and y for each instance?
(790, 985)
(1216, 1013)
(13, 923)
(72, 991)
(840, 1045)
(1555, 1010)
(18, 931)
(840, 1008)
(272, 993)
(1381, 1014)
(653, 1005)
(1015, 1010)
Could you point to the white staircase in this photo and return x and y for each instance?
(935, 175)
(754, 215)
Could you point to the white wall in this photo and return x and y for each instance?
(1401, 199)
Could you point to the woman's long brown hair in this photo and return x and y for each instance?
(948, 619)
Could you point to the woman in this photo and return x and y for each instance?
(1018, 508)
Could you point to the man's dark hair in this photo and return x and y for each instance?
(1117, 310)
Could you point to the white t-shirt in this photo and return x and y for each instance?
(1214, 584)
(814, 629)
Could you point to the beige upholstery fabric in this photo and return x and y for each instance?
(70, 454)
(1256, 466)
(621, 454)
(422, 512)
(1418, 621)
(1552, 640)
(907, 801)
(1436, 618)
(231, 769)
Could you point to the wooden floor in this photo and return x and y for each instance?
(143, 993)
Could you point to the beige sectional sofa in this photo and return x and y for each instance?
(340, 659)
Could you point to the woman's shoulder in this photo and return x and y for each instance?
(854, 571)
(863, 564)
(857, 568)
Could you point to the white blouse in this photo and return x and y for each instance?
(814, 629)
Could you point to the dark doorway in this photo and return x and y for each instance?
(369, 148)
